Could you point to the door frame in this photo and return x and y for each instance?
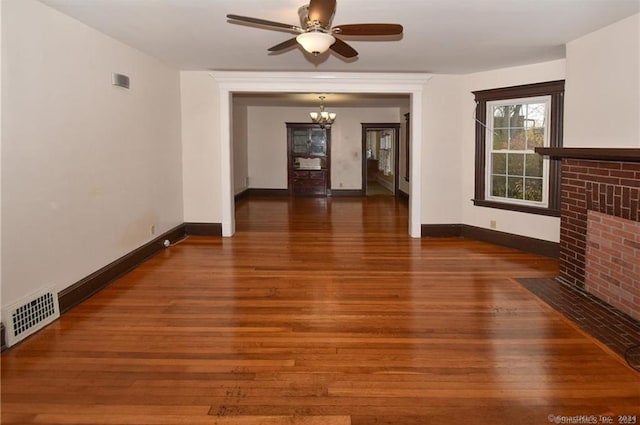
(396, 152)
(229, 82)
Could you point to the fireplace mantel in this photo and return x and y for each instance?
(595, 154)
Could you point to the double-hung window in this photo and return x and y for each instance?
(511, 123)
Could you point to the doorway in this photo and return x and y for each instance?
(380, 151)
(228, 82)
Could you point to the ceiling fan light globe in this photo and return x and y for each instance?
(315, 42)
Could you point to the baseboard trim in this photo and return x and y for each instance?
(346, 192)
(90, 285)
(441, 230)
(2, 338)
(203, 229)
(509, 240)
(522, 243)
(85, 288)
(403, 195)
(241, 195)
(267, 192)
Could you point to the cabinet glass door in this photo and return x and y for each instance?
(318, 145)
(300, 141)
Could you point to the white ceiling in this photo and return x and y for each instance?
(440, 36)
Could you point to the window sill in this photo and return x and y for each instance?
(515, 207)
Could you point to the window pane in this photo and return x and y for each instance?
(499, 163)
(533, 167)
(499, 186)
(500, 116)
(515, 172)
(516, 115)
(535, 137)
(500, 138)
(536, 113)
(533, 189)
(515, 186)
(517, 139)
(515, 164)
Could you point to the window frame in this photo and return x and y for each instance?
(544, 203)
(554, 89)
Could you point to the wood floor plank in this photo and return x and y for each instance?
(318, 311)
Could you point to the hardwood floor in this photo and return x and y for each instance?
(318, 312)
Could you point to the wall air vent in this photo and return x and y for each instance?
(30, 314)
(120, 80)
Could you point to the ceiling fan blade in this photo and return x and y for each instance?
(343, 49)
(322, 11)
(368, 29)
(284, 45)
(264, 22)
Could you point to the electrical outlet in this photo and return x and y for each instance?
(152, 230)
(493, 224)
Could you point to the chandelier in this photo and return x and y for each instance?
(324, 118)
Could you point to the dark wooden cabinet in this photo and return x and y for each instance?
(309, 159)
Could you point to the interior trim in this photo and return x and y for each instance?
(554, 89)
(346, 192)
(396, 152)
(602, 154)
(230, 82)
(268, 192)
(96, 281)
(509, 240)
(2, 338)
(93, 283)
(203, 229)
(88, 286)
(241, 195)
(442, 230)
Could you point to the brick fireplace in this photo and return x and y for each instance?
(612, 270)
(600, 224)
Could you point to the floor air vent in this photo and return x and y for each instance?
(30, 314)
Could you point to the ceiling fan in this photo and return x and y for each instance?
(316, 35)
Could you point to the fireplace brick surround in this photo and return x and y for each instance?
(603, 184)
(612, 271)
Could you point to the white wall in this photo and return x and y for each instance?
(240, 148)
(200, 148)
(443, 117)
(602, 102)
(267, 137)
(531, 225)
(87, 168)
(267, 145)
(449, 151)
